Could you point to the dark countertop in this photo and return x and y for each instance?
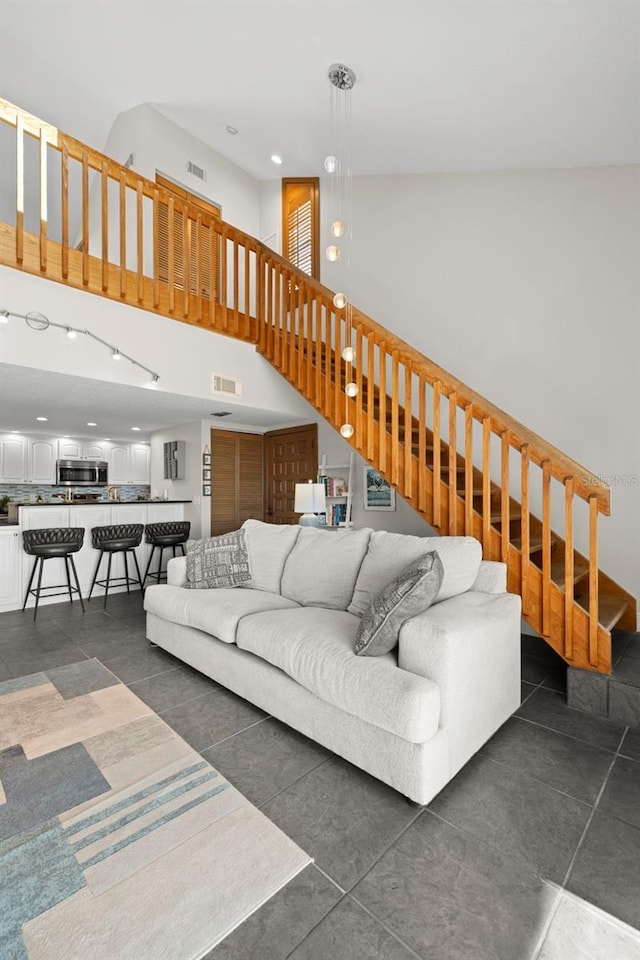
(96, 503)
(5, 522)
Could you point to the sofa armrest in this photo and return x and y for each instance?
(470, 646)
(177, 571)
(492, 577)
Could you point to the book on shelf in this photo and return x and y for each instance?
(333, 486)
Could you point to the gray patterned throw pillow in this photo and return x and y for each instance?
(218, 561)
(408, 594)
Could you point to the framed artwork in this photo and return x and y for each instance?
(206, 474)
(206, 489)
(206, 459)
(378, 495)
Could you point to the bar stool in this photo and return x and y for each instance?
(44, 544)
(118, 538)
(173, 533)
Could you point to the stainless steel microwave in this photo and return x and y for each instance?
(81, 473)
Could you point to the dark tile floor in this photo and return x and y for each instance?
(530, 853)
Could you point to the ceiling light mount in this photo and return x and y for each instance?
(342, 76)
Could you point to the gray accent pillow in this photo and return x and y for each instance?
(408, 594)
(218, 561)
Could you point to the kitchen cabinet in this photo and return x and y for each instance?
(130, 463)
(42, 461)
(10, 568)
(13, 458)
(83, 449)
(27, 459)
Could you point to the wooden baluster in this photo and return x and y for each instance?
(568, 568)
(65, 210)
(395, 419)
(525, 559)
(486, 486)
(408, 433)
(309, 343)
(453, 464)
(247, 292)
(327, 362)
(223, 277)
(123, 234)
(277, 345)
(19, 189)
(270, 311)
(505, 533)
(104, 217)
(468, 470)
(186, 261)
(593, 579)
(358, 381)
(156, 246)
(289, 325)
(171, 249)
(383, 441)
(339, 401)
(236, 287)
(318, 352)
(140, 242)
(85, 217)
(422, 444)
(371, 387)
(43, 201)
(301, 339)
(198, 269)
(214, 271)
(546, 548)
(437, 454)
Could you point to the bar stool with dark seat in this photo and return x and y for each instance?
(173, 533)
(61, 542)
(118, 538)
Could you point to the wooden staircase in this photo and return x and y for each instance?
(463, 464)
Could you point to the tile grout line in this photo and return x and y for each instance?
(547, 924)
(288, 787)
(543, 783)
(544, 726)
(593, 811)
(224, 739)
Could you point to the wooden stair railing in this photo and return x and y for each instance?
(459, 461)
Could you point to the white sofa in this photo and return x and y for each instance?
(285, 642)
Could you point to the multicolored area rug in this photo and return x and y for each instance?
(117, 840)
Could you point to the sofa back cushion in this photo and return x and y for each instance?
(322, 568)
(390, 553)
(269, 545)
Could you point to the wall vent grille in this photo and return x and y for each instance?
(227, 385)
(196, 171)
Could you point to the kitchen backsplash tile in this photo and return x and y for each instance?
(29, 492)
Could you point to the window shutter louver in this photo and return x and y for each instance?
(300, 224)
(209, 259)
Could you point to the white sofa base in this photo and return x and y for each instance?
(417, 770)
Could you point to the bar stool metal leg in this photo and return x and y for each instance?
(148, 567)
(35, 609)
(108, 581)
(160, 563)
(95, 575)
(135, 560)
(66, 567)
(33, 570)
(75, 577)
(126, 570)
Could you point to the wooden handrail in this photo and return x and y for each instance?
(429, 433)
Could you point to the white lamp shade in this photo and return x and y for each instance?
(310, 498)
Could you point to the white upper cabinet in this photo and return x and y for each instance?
(118, 463)
(14, 459)
(140, 463)
(42, 461)
(69, 449)
(83, 449)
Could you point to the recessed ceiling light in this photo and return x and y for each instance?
(106, 438)
(90, 423)
(43, 419)
(15, 431)
(276, 159)
(135, 428)
(65, 436)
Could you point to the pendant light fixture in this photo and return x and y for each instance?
(338, 165)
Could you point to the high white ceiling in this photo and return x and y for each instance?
(442, 85)
(69, 402)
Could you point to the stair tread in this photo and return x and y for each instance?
(610, 609)
(580, 571)
(535, 544)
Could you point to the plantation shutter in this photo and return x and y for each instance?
(209, 259)
(300, 228)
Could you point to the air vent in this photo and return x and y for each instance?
(196, 171)
(221, 413)
(227, 385)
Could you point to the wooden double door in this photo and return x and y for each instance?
(254, 475)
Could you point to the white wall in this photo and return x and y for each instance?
(525, 285)
(190, 487)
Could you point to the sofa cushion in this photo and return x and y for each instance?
(217, 612)
(315, 647)
(215, 562)
(321, 569)
(408, 594)
(390, 553)
(269, 545)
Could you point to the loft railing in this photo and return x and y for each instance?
(462, 463)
